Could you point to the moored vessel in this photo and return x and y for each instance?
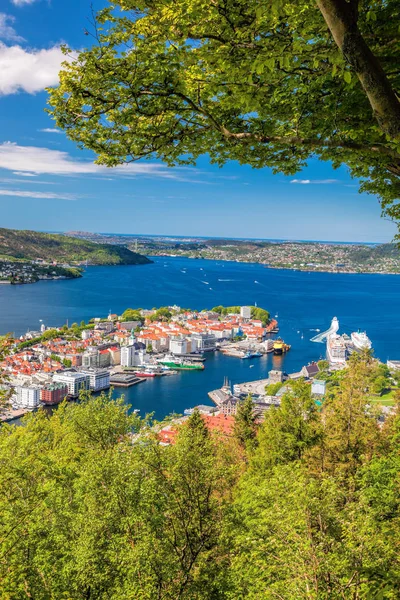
(184, 365)
(280, 347)
(360, 340)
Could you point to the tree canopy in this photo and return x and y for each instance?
(304, 506)
(267, 84)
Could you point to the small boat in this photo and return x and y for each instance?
(145, 374)
(252, 354)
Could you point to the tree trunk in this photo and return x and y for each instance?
(341, 18)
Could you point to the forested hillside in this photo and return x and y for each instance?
(32, 245)
(302, 506)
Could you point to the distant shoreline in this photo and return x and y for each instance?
(275, 268)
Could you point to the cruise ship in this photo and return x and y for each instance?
(360, 340)
(336, 349)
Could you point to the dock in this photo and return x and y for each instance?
(13, 414)
(125, 379)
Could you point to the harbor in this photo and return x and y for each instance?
(299, 317)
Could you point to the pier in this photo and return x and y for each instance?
(125, 379)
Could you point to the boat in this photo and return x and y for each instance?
(336, 350)
(280, 347)
(145, 374)
(252, 354)
(360, 340)
(180, 364)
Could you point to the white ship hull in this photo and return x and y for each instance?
(361, 341)
(336, 351)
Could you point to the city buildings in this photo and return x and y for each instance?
(53, 393)
(27, 397)
(75, 382)
(99, 379)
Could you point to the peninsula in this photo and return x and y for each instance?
(29, 256)
(33, 245)
(274, 254)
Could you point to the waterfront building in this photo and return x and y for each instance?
(127, 356)
(53, 393)
(178, 346)
(99, 379)
(27, 396)
(74, 381)
(134, 355)
(310, 370)
(203, 342)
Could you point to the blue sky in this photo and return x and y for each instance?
(46, 183)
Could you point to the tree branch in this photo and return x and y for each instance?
(341, 18)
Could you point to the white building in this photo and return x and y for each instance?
(86, 334)
(127, 356)
(203, 342)
(27, 397)
(245, 312)
(318, 387)
(75, 382)
(99, 379)
(134, 355)
(178, 345)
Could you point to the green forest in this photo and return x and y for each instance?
(304, 505)
(32, 245)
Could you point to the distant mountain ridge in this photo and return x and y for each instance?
(32, 245)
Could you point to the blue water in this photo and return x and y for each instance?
(303, 301)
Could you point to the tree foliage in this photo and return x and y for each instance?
(268, 84)
(245, 428)
(93, 507)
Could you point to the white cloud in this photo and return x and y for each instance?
(32, 160)
(7, 31)
(22, 2)
(25, 182)
(50, 130)
(28, 70)
(38, 195)
(314, 181)
(24, 174)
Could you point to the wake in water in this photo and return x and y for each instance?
(205, 282)
(226, 279)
